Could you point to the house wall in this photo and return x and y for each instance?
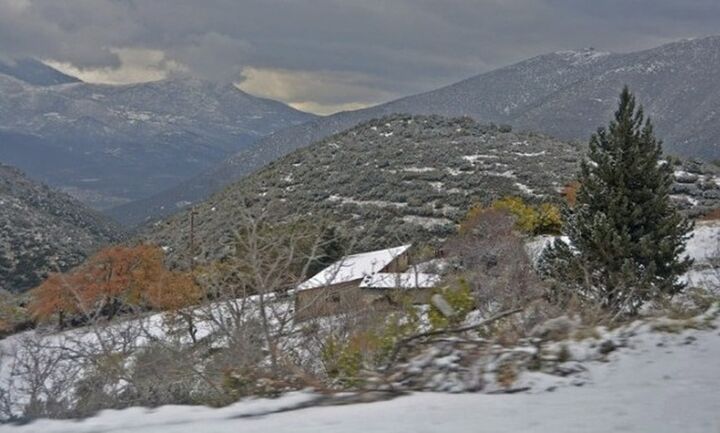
(415, 296)
(343, 298)
(329, 300)
(399, 265)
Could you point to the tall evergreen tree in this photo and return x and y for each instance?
(626, 237)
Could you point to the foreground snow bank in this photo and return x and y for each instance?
(666, 382)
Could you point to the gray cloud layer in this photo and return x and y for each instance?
(365, 51)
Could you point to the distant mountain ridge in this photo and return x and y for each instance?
(43, 231)
(109, 144)
(35, 72)
(566, 94)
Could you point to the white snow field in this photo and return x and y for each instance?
(664, 383)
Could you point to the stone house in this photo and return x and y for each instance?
(360, 280)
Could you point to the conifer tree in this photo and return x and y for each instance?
(626, 237)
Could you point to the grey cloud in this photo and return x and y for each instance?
(394, 47)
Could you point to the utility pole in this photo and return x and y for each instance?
(192, 239)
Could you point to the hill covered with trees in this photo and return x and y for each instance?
(401, 178)
(43, 231)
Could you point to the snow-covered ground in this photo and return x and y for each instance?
(662, 384)
(665, 383)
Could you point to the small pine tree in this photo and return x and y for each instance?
(626, 237)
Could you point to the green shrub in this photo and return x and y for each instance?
(14, 316)
(343, 360)
(549, 219)
(526, 215)
(460, 299)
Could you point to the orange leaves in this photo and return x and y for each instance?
(54, 295)
(176, 291)
(570, 192)
(115, 278)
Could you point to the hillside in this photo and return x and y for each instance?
(107, 144)
(640, 363)
(402, 178)
(566, 94)
(43, 231)
(35, 72)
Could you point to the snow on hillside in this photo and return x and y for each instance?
(110, 144)
(703, 247)
(665, 383)
(705, 243)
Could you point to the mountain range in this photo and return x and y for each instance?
(43, 231)
(112, 144)
(400, 179)
(565, 94)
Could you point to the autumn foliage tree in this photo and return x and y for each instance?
(175, 292)
(570, 192)
(55, 296)
(116, 279)
(539, 219)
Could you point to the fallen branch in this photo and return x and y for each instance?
(323, 400)
(406, 341)
(509, 390)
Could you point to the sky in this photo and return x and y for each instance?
(325, 56)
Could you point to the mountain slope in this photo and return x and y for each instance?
(565, 94)
(35, 72)
(43, 231)
(398, 179)
(108, 145)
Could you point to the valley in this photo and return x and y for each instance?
(108, 145)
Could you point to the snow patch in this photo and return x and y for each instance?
(418, 169)
(529, 154)
(378, 203)
(524, 188)
(508, 174)
(426, 222)
(474, 158)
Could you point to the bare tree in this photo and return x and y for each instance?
(245, 336)
(494, 261)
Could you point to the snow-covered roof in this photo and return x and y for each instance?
(435, 266)
(407, 280)
(354, 267)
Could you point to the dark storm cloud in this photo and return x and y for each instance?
(388, 48)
